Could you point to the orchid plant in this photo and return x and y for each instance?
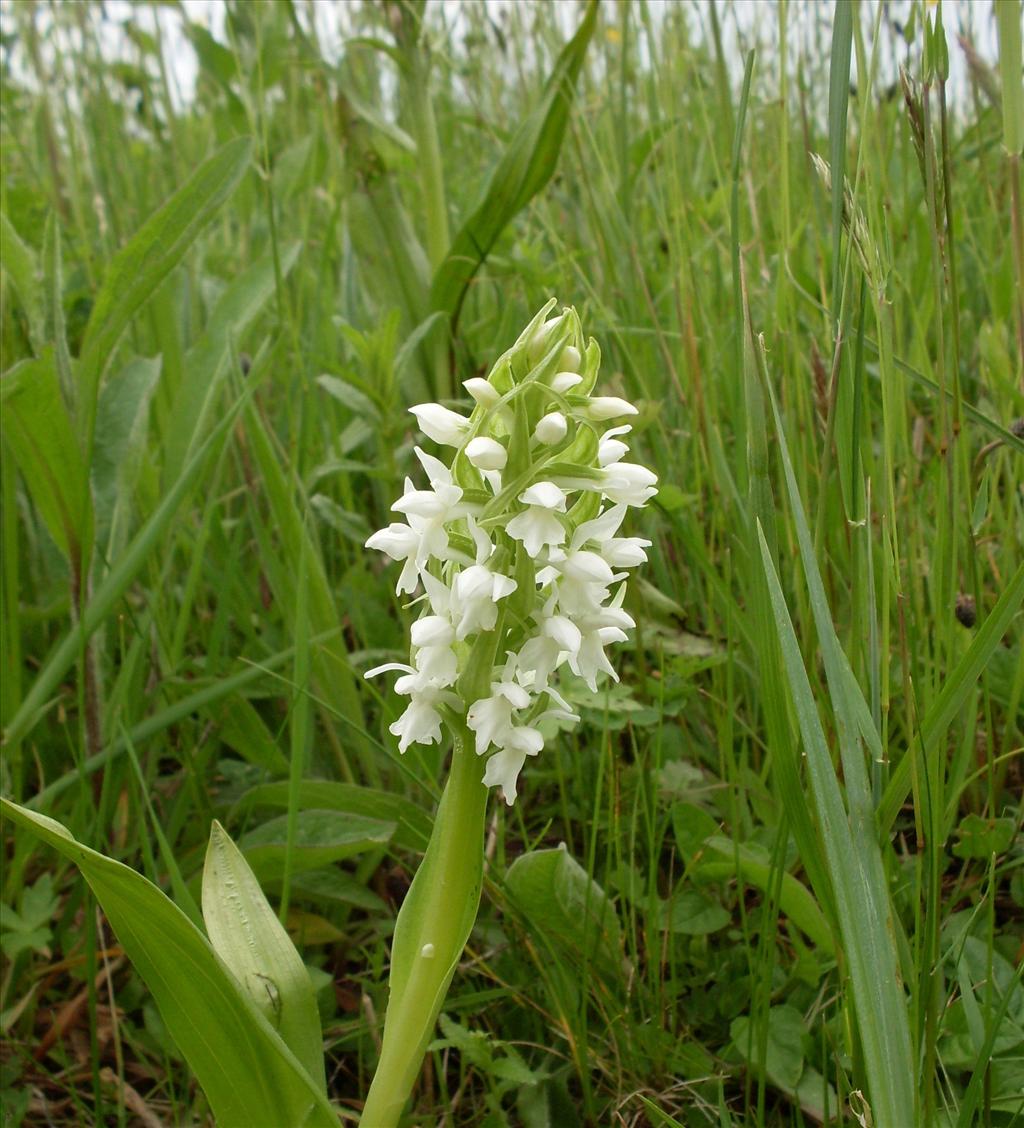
(513, 557)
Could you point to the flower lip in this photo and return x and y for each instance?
(544, 495)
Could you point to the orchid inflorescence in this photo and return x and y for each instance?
(516, 549)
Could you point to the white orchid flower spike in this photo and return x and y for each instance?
(514, 543)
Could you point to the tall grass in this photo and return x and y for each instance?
(791, 831)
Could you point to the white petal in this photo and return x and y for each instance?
(536, 528)
(503, 770)
(587, 567)
(600, 528)
(397, 540)
(440, 423)
(387, 668)
(503, 585)
(564, 631)
(608, 407)
(432, 630)
(437, 472)
(483, 391)
(562, 382)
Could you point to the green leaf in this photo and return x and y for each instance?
(20, 263)
(39, 430)
(795, 899)
(116, 582)
(248, 937)
(247, 1072)
(320, 837)
(981, 838)
(783, 1053)
(412, 825)
(206, 362)
(691, 913)
(864, 910)
(242, 729)
(149, 256)
(861, 903)
(525, 167)
(564, 905)
(121, 428)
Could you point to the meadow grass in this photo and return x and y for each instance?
(791, 890)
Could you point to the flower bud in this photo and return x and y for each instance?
(570, 359)
(486, 454)
(551, 429)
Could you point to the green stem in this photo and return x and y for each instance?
(431, 931)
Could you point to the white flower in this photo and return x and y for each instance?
(491, 717)
(486, 454)
(551, 429)
(539, 525)
(619, 552)
(441, 423)
(629, 484)
(400, 542)
(421, 721)
(611, 449)
(475, 593)
(468, 548)
(504, 766)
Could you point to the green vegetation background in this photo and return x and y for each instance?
(201, 430)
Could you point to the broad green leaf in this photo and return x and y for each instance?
(784, 1053)
(149, 256)
(20, 263)
(206, 361)
(116, 582)
(980, 837)
(248, 1073)
(864, 909)
(691, 913)
(39, 430)
(795, 899)
(524, 168)
(320, 837)
(564, 905)
(412, 825)
(121, 429)
(248, 937)
(242, 728)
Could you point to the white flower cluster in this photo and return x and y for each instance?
(515, 545)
